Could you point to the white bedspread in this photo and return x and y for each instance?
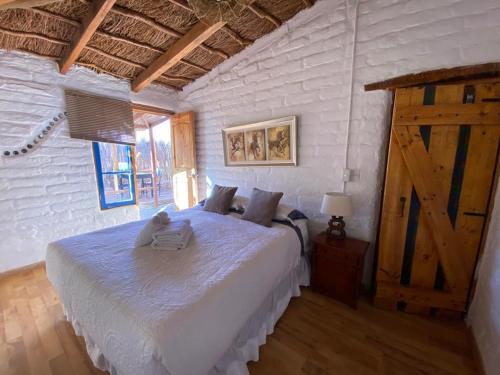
(180, 309)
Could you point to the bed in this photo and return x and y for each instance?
(202, 310)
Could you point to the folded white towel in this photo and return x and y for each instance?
(175, 230)
(183, 242)
(156, 223)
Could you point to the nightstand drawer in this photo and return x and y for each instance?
(341, 256)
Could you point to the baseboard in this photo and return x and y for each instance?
(477, 354)
(16, 271)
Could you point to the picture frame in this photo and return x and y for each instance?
(266, 143)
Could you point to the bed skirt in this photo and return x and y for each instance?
(246, 345)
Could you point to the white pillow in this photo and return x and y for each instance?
(283, 211)
(155, 224)
(240, 202)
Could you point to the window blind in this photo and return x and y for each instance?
(98, 118)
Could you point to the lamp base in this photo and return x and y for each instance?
(335, 229)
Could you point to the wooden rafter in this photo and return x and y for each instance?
(308, 3)
(167, 30)
(141, 108)
(126, 12)
(264, 15)
(197, 35)
(93, 49)
(107, 35)
(88, 27)
(148, 47)
(456, 74)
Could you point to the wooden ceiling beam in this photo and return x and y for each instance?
(126, 12)
(90, 23)
(308, 3)
(167, 30)
(146, 109)
(439, 75)
(117, 38)
(93, 49)
(264, 15)
(197, 35)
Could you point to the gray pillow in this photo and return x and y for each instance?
(262, 207)
(220, 199)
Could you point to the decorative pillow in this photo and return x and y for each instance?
(262, 207)
(220, 199)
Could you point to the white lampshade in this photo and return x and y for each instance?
(336, 204)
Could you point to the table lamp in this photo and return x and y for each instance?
(337, 205)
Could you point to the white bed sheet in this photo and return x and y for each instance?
(152, 312)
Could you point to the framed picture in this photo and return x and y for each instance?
(272, 142)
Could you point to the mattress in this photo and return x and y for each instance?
(151, 312)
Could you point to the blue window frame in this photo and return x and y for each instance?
(115, 175)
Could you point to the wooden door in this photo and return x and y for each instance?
(184, 160)
(440, 172)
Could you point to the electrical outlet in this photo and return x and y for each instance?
(347, 175)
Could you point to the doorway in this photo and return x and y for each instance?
(153, 162)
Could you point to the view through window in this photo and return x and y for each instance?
(153, 158)
(114, 174)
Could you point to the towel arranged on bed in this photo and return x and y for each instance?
(174, 236)
(155, 224)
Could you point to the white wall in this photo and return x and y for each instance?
(51, 193)
(484, 313)
(304, 68)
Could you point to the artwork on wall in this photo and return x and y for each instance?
(272, 142)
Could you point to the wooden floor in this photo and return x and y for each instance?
(315, 336)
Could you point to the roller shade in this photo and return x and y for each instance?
(98, 118)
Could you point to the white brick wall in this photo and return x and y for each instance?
(51, 193)
(303, 68)
(484, 314)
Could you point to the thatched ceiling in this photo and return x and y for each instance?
(135, 33)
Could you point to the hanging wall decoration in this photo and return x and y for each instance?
(40, 135)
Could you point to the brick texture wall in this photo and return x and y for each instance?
(304, 68)
(484, 313)
(50, 193)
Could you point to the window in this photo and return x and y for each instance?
(115, 175)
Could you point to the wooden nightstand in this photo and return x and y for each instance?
(338, 267)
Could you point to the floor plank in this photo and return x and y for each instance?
(316, 336)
